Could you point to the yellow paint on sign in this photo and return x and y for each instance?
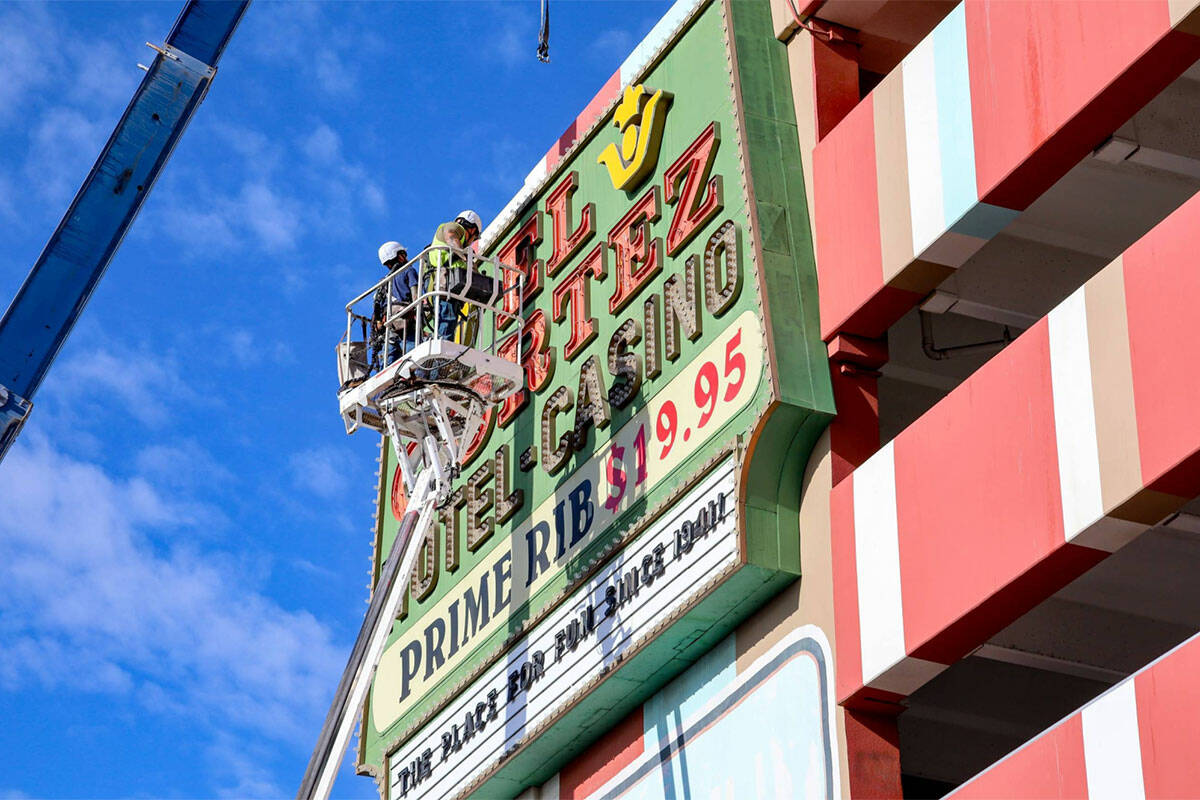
(640, 118)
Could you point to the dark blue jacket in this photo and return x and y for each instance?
(404, 284)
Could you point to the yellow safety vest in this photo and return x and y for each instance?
(440, 258)
(464, 332)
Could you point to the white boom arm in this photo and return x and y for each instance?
(381, 614)
(434, 394)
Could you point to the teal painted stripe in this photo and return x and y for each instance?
(956, 134)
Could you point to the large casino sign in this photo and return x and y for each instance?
(602, 529)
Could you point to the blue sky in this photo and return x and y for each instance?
(184, 525)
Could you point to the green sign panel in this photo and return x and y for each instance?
(670, 324)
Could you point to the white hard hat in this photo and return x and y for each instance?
(471, 217)
(389, 250)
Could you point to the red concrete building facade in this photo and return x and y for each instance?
(1000, 531)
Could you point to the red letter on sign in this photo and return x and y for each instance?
(537, 358)
(481, 438)
(637, 257)
(574, 288)
(558, 206)
(691, 170)
(519, 252)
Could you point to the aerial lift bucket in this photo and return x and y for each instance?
(431, 362)
(430, 391)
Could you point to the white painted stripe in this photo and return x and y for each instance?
(537, 174)
(877, 553)
(1074, 416)
(921, 139)
(1112, 749)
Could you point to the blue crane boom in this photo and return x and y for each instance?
(48, 304)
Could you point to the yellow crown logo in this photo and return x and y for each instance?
(640, 117)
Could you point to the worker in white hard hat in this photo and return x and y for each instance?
(394, 258)
(460, 234)
(391, 253)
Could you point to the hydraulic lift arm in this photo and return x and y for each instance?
(430, 397)
(364, 658)
(48, 304)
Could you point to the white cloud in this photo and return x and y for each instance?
(284, 32)
(294, 282)
(238, 764)
(346, 182)
(251, 350)
(304, 565)
(513, 31)
(85, 596)
(324, 471)
(60, 96)
(144, 384)
(274, 219)
(272, 196)
(199, 230)
(24, 657)
(325, 51)
(374, 199)
(613, 44)
(241, 344)
(260, 154)
(36, 53)
(105, 77)
(332, 75)
(510, 162)
(181, 464)
(509, 45)
(347, 280)
(64, 145)
(26, 30)
(514, 34)
(323, 145)
(8, 196)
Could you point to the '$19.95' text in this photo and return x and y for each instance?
(697, 402)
